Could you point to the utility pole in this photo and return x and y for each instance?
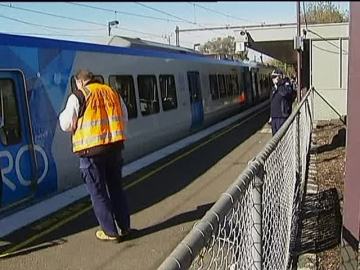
(298, 52)
(177, 36)
(167, 38)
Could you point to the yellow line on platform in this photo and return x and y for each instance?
(12, 250)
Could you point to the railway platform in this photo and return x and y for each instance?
(165, 198)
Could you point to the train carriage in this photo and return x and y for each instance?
(169, 93)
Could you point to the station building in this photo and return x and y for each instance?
(324, 59)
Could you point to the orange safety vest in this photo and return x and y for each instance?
(102, 121)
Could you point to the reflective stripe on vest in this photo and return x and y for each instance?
(96, 123)
(102, 121)
(107, 137)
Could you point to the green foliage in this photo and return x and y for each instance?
(222, 46)
(288, 70)
(323, 12)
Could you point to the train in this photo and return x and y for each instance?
(170, 92)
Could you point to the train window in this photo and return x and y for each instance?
(124, 84)
(149, 99)
(98, 78)
(229, 86)
(255, 83)
(222, 89)
(236, 82)
(270, 81)
(233, 88)
(267, 85)
(168, 92)
(10, 131)
(248, 82)
(242, 88)
(264, 81)
(214, 90)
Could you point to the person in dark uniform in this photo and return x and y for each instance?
(281, 100)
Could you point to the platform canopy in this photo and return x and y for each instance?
(277, 40)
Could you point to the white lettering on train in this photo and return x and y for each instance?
(6, 170)
(18, 169)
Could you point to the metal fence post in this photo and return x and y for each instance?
(297, 195)
(257, 217)
(298, 144)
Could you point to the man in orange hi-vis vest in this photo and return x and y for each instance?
(95, 115)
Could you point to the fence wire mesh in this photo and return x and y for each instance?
(253, 224)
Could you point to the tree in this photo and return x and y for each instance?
(288, 70)
(222, 46)
(323, 12)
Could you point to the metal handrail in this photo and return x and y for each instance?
(190, 247)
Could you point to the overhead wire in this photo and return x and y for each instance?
(174, 16)
(138, 15)
(326, 40)
(128, 13)
(88, 21)
(51, 34)
(223, 14)
(325, 50)
(47, 26)
(51, 14)
(164, 12)
(76, 19)
(304, 12)
(318, 35)
(123, 12)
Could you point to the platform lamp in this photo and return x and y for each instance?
(112, 23)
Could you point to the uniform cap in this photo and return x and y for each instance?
(277, 72)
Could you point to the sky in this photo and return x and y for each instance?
(155, 21)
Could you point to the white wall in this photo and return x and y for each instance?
(329, 73)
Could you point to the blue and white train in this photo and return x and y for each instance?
(169, 93)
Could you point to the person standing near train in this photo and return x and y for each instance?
(94, 114)
(281, 100)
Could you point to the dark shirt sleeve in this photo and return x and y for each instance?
(285, 91)
(80, 96)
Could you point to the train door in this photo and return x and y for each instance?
(255, 86)
(17, 160)
(247, 85)
(197, 110)
(260, 86)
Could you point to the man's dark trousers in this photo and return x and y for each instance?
(276, 123)
(102, 176)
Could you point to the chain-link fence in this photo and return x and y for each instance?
(253, 224)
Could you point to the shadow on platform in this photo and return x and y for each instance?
(162, 184)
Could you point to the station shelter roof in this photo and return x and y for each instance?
(277, 40)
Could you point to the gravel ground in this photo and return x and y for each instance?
(330, 138)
